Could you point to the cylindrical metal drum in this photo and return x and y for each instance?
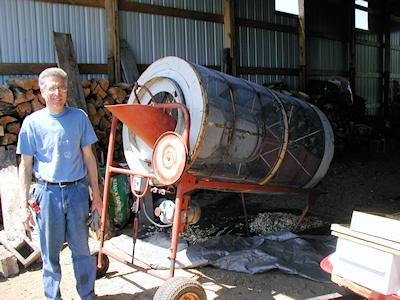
(240, 131)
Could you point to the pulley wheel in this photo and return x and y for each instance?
(169, 158)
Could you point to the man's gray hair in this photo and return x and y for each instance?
(52, 72)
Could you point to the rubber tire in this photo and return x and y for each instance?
(176, 287)
(105, 264)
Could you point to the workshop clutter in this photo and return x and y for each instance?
(353, 128)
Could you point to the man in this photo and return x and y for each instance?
(57, 141)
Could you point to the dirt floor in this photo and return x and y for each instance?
(368, 182)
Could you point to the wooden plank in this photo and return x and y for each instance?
(302, 46)
(170, 11)
(343, 231)
(384, 226)
(92, 68)
(327, 35)
(265, 25)
(113, 56)
(268, 71)
(352, 55)
(130, 72)
(88, 3)
(31, 69)
(386, 67)
(65, 56)
(147, 9)
(325, 72)
(348, 284)
(230, 49)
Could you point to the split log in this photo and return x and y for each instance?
(36, 86)
(6, 95)
(91, 108)
(101, 112)
(86, 91)
(37, 105)
(23, 83)
(19, 96)
(6, 110)
(8, 139)
(13, 128)
(41, 99)
(100, 92)
(7, 119)
(95, 120)
(105, 84)
(99, 102)
(124, 86)
(1, 130)
(29, 95)
(85, 83)
(101, 134)
(117, 94)
(108, 101)
(24, 109)
(93, 86)
(104, 124)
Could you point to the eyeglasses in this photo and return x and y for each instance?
(54, 89)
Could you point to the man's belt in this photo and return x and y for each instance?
(60, 184)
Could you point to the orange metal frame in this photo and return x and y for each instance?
(185, 185)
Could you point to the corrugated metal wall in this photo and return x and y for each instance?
(152, 36)
(395, 55)
(26, 32)
(325, 54)
(369, 70)
(266, 48)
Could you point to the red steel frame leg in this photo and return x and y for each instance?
(109, 162)
(176, 228)
(313, 196)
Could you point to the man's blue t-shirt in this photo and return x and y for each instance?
(56, 142)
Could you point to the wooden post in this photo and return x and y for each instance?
(302, 46)
(66, 59)
(229, 64)
(113, 56)
(352, 46)
(386, 66)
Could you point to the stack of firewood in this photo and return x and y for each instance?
(23, 97)
(99, 93)
(20, 99)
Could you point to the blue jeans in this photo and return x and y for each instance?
(62, 217)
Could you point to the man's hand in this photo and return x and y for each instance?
(97, 203)
(27, 220)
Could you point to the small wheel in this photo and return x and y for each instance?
(105, 263)
(180, 288)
